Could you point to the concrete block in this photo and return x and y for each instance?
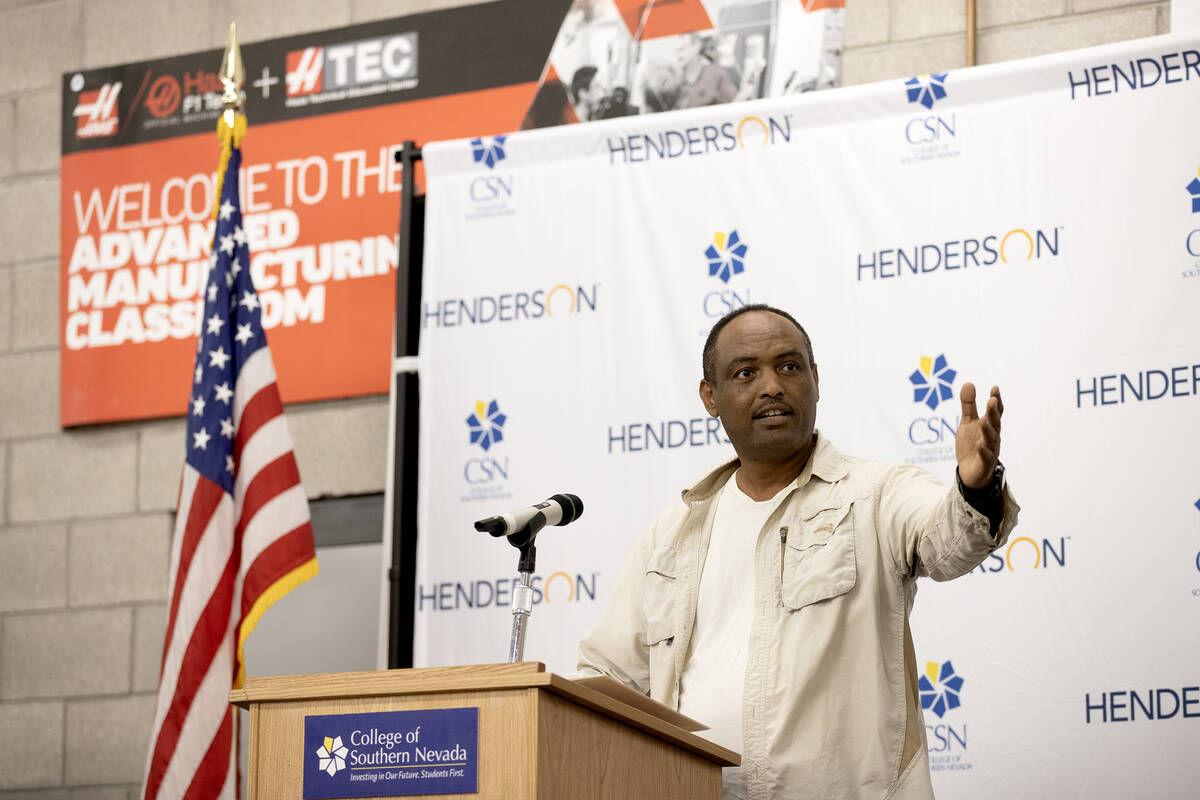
(29, 394)
(33, 568)
(35, 306)
(8, 128)
(104, 793)
(38, 794)
(867, 22)
(106, 739)
(66, 653)
(1070, 33)
(341, 447)
(119, 560)
(39, 43)
(367, 10)
(1083, 6)
(28, 216)
(33, 745)
(179, 26)
(39, 131)
(98, 793)
(6, 304)
(76, 474)
(160, 464)
(902, 61)
(149, 627)
(1008, 12)
(257, 20)
(928, 18)
(3, 483)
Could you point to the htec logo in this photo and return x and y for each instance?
(939, 689)
(726, 258)
(96, 112)
(557, 587)
(350, 64)
(1014, 245)
(331, 756)
(933, 435)
(488, 150)
(926, 89)
(1024, 554)
(1193, 188)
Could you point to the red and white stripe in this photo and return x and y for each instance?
(226, 552)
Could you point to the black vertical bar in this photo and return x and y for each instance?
(403, 572)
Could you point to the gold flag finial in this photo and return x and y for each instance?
(231, 126)
(233, 74)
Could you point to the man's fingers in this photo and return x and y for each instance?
(967, 396)
(994, 410)
(999, 400)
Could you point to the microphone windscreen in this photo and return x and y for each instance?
(571, 505)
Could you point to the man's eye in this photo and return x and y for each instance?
(790, 366)
(744, 372)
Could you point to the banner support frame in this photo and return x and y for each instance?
(401, 500)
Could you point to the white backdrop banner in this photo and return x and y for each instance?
(1034, 225)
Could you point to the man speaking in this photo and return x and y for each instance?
(772, 603)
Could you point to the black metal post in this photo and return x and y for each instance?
(403, 572)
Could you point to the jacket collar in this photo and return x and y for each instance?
(826, 463)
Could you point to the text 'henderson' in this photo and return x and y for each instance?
(1139, 73)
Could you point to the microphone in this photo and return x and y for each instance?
(561, 509)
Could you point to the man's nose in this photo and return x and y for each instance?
(769, 384)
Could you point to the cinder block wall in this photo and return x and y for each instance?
(85, 515)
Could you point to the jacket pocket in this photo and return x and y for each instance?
(818, 557)
(658, 607)
(659, 597)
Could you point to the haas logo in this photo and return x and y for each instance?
(96, 112)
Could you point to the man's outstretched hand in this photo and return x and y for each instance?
(977, 444)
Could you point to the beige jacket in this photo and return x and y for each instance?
(830, 707)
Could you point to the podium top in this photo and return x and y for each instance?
(481, 677)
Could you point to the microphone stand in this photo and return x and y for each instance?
(522, 602)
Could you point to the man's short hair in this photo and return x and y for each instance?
(581, 80)
(709, 355)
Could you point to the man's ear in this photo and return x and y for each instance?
(816, 380)
(706, 397)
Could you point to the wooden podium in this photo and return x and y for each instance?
(541, 736)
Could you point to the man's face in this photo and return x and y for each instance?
(688, 49)
(764, 388)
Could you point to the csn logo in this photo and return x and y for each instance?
(491, 194)
(926, 89)
(939, 689)
(1192, 242)
(1196, 591)
(485, 474)
(726, 259)
(331, 756)
(932, 389)
(488, 150)
(932, 135)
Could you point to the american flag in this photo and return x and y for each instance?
(242, 533)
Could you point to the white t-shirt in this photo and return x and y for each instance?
(714, 675)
